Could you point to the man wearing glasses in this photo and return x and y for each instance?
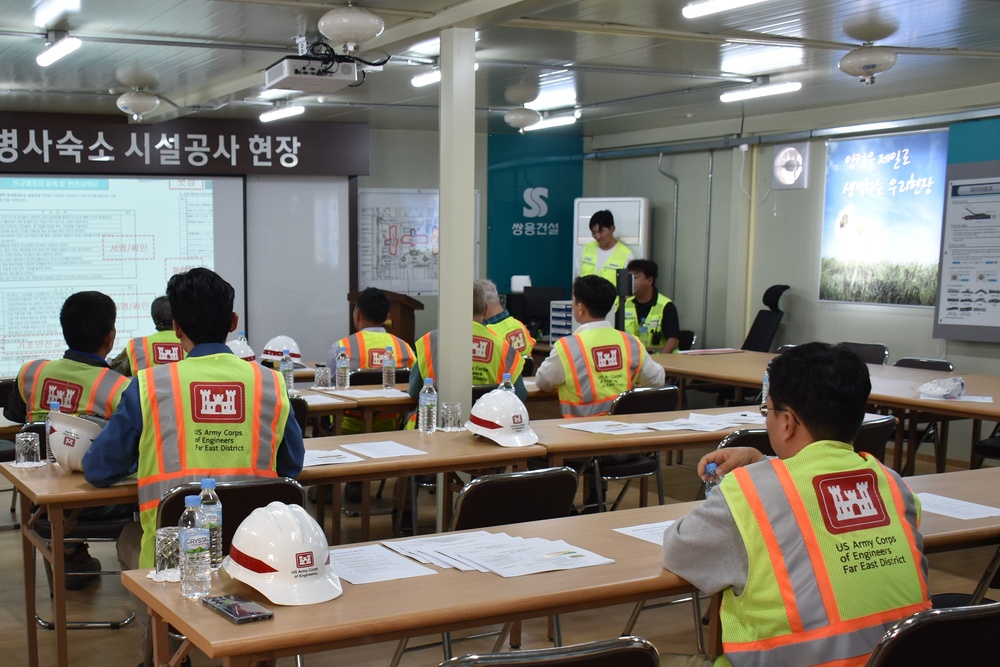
(816, 551)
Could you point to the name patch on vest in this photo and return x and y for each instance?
(482, 349)
(516, 340)
(166, 353)
(67, 393)
(375, 357)
(217, 401)
(607, 358)
(850, 501)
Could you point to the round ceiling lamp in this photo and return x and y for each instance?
(137, 103)
(350, 25)
(521, 117)
(866, 61)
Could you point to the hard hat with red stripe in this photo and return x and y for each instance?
(501, 416)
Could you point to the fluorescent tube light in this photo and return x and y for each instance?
(554, 121)
(760, 91)
(58, 49)
(427, 78)
(278, 113)
(693, 10)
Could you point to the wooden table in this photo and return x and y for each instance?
(893, 387)
(453, 600)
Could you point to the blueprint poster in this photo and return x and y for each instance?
(398, 244)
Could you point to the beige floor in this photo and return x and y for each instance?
(671, 629)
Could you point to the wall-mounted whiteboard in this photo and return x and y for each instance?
(632, 223)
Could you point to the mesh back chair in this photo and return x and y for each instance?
(620, 652)
(871, 353)
(516, 497)
(373, 376)
(928, 427)
(940, 637)
(765, 324)
(638, 466)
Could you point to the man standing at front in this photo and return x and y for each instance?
(605, 254)
(210, 415)
(816, 552)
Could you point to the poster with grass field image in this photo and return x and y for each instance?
(882, 218)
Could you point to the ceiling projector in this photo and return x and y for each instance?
(310, 75)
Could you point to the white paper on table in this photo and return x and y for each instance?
(326, 457)
(650, 532)
(532, 556)
(529, 384)
(955, 508)
(321, 399)
(425, 549)
(371, 393)
(607, 427)
(383, 449)
(372, 563)
(971, 399)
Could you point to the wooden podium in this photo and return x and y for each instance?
(401, 307)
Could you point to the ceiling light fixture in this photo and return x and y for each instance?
(760, 91)
(427, 78)
(693, 10)
(60, 45)
(866, 61)
(554, 121)
(350, 25)
(281, 111)
(137, 103)
(521, 118)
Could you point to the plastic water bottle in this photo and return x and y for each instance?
(342, 377)
(505, 383)
(388, 369)
(427, 410)
(211, 506)
(713, 479)
(53, 407)
(287, 368)
(196, 551)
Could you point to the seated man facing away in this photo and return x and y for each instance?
(598, 362)
(158, 348)
(503, 324)
(163, 435)
(816, 552)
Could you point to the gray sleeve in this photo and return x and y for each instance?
(706, 548)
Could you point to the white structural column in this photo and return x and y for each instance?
(456, 230)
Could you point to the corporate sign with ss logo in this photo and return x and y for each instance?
(536, 205)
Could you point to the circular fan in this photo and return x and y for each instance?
(137, 101)
(868, 60)
(788, 165)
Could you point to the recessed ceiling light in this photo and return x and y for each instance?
(693, 10)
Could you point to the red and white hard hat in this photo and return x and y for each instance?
(501, 416)
(241, 348)
(282, 552)
(277, 345)
(71, 437)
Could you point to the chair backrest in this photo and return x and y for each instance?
(686, 340)
(749, 437)
(645, 399)
(6, 386)
(785, 347)
(300, 410)
(926, 364)
(529, 367)
(369, 376)
(958, 635)
(872, 353)
(765, 324)
(238, 499)
(874, 434)
(480, 390)
(531, 495)
(619, 652)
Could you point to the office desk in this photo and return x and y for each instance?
(54, 490)
(453, 600)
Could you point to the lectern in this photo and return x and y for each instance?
(401, 307)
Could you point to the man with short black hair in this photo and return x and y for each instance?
(816, 552)
(161, 347)
(649, 315)
(605, 254)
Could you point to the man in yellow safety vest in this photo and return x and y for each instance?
(158, 348)
(503, 324)
(649, 315)
(605, 254)
(816, 551)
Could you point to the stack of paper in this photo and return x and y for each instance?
(693, 422)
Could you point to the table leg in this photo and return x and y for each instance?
(338, 423)
(366, 507)
(28, 554)
(913, 416)
(681, 393)
(58, 561)
(977, 435)
(336, 498)
(897, 451)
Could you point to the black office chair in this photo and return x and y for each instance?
(930, 427)
(686, 340)
(871, 437)
(765, 324)
(988, 448)
(959, 635)
(516, 497)
(480, 390)
(989, 579)
(619, 652)
(529, 366)
(637, 466)
(300, 412)
(7, 453)
(373, 376)
(871, 353)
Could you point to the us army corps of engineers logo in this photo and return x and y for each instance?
(67, 393)
(850, 501)
(166, 353)
(607, 357)
(482, 349)
(217, 401)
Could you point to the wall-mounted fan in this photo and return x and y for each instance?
(790, 168)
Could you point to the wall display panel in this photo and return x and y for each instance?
(882, 218)
(121, 236)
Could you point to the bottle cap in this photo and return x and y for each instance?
(192, 501)
(53, 406)
(710, 468)
(428, 381)
(506, 376)
(388, 348)
(208, 483)
(285, 351)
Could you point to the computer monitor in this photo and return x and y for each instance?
(536, 307)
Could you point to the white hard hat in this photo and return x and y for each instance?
(241, 349)
(71, 437)
(501, 416)
(277, 345)
(282, 552)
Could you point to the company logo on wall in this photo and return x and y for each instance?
(536, 206)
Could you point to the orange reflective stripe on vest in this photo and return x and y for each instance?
(582, 394)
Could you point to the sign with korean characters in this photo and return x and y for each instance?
(69, 144)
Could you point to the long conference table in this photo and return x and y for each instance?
(893, 387)
(451, 600)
